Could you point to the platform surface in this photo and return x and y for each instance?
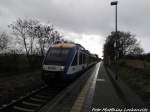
(114, 94)
(105, 94)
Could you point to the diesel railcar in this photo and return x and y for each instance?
(64, 61)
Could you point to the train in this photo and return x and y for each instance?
(65, 61)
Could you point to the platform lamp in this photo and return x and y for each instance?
(116, 33)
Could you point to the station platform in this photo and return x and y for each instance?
(103, 93)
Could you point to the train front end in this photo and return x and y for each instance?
(55, 63)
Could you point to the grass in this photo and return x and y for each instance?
(136, 76)
(17, 77)
(139, 64)
(13, 64)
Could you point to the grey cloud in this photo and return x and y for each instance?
(82, 16)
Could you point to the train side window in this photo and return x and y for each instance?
(83, 58)
(80, 58)
(74, 60)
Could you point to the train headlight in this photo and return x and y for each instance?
(44, 67)
(62, 68)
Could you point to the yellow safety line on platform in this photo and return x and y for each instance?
(79, 103)
(80, 99)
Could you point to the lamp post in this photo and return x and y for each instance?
(116, 35)
(115, 3)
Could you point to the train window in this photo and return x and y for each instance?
(87, 59)
(74, 60)
(90, 60)
(84, 59)
(57, 56)
(80, 58)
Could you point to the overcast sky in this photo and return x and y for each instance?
(87, 22)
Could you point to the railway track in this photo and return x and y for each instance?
(34, 100)
(64, 101)
(47, 98)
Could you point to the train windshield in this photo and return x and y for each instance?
(57, 56)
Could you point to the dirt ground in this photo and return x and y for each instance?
(11, 87)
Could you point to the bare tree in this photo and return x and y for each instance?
(120, 44)
(31, 34)
(35, 36)
(136, 50)
(46, 35)
(23, 29)
(3, 41)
